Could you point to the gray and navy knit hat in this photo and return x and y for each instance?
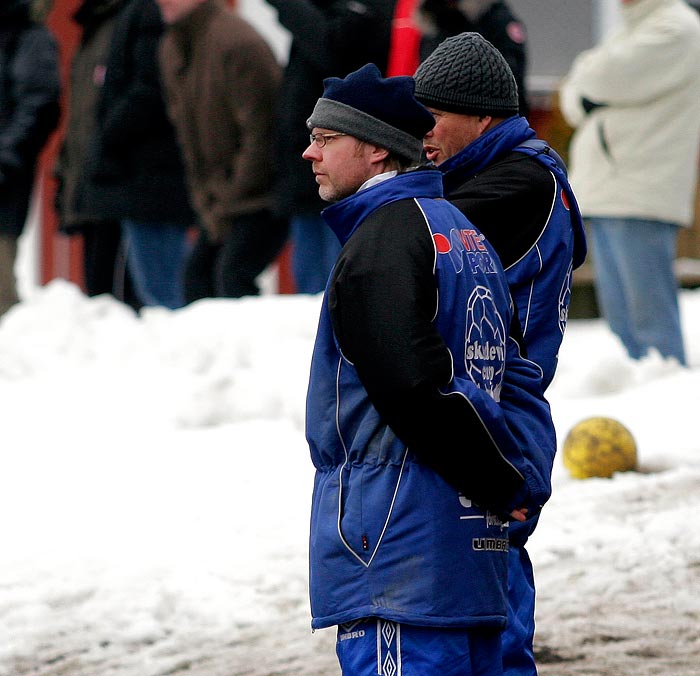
(467, 74)
(378, 110)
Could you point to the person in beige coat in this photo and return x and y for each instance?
(634, 101)
(221, 80)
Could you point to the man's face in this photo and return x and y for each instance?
(451, 133)
(341, 166)
(174, 10)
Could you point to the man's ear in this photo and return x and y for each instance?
(487, 122)
(378, 154)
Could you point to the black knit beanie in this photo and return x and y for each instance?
(378, 110)
(467, 74)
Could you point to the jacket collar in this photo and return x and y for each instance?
(633, 13)
(190, 26)
(345, 216)
(485, 150)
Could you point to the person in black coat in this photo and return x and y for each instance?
(492, 19)
(329, 38)
(134, 170)
(29, 112)
(103, 261)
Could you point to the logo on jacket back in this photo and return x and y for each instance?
(565, 298)
(485, 340)
(466, 243)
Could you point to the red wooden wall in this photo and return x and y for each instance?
(60, 256)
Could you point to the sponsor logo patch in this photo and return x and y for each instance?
(465, 244)
(490, 544)
(485, 342)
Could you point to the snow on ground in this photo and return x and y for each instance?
(155, 489)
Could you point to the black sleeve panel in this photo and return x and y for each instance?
(383, 297)
(382, 300)
(510, 203)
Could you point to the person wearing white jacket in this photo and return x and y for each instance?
(634, 102)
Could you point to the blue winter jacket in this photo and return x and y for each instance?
(520, 197)
(425, 425)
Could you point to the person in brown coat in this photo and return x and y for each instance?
(221, 81)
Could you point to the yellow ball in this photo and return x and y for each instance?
(599, 447)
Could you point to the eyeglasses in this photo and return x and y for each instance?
(321, 139)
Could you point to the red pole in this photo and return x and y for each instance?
(60, 256)
(404, 49)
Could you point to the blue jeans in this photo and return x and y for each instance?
(635, 285)
(315, 249)
(155, 257)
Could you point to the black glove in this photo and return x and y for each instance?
(589, 106)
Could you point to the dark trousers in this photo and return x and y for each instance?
(8, 283)
(229, 268)
(104, 263)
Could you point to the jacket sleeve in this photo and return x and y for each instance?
(35, 91)
(628, 69)
(138, 108)
(382, 300)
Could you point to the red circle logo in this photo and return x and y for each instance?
(442, 243)
(565, 200)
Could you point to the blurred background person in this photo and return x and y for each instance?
(134, 171)
(492, 19)
(29, 112)
(329, 38)
(104, 270)
(221, 81)
(634, 101)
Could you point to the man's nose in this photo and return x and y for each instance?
(312, 152)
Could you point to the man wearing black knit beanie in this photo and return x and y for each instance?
(514, 188)
(428, 429)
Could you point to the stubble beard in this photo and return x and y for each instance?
(332, 194)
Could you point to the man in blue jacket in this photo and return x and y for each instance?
(514, 188)
(328, 37)
(427, 428)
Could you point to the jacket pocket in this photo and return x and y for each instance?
(368, 495)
